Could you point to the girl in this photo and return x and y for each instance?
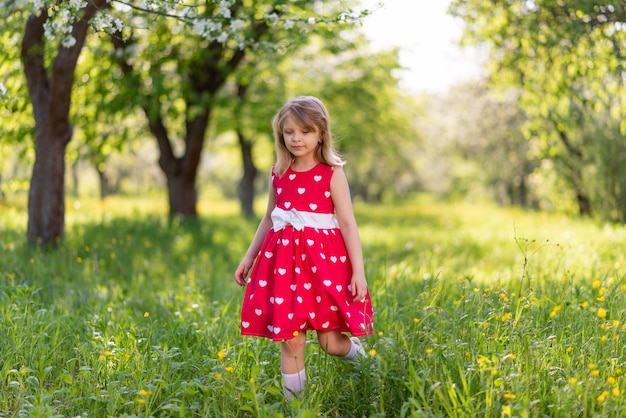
(309, 272)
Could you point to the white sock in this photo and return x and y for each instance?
(354, 352)
(294, 384)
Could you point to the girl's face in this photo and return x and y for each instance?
(300, 141)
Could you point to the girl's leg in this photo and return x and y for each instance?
(292, 365)
(338, 344)
(334, 343)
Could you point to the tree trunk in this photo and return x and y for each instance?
(250, 172)
(50, 91)
(46, 197)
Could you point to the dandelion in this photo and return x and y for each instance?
(555, 311)
(146, 314)
(572, 381)
(610, 380)
(602, 397)
(569, 349)
(596, 284)
(616, 392)
(229, 369)
(595, 372)
(507, 316)
(429, 351)
(144, 392)
(604, 338)
(218, 376)
(416, 320)
(10, 276)
(509, 396)
(601, 313)
(221, 354)
(508, 357)
(380, 333)
(79, 260)
(372, 352)
(615, 323)
(141, 401)
(585, 304)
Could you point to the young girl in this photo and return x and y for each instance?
(309, 272)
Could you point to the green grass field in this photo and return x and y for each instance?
(480, 311)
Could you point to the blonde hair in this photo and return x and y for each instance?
(308, 112)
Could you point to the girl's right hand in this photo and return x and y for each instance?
(242, 272)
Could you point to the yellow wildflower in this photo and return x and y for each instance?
(601, 313)
(596, 284)
(603, 396)
(221, 354)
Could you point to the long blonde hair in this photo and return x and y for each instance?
(308, 112)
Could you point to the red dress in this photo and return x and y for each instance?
(301, 277)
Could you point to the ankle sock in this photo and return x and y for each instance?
(356, 351)
(294, 384)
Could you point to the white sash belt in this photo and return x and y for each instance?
(299, 219)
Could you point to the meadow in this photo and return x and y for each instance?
(480, 311)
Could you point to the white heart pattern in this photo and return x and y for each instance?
(327, 282)
(287, 205)
(310, 242)
(318, 299)
(327, 193)
(290, 316)
(297, 270)
(343, 258)
(334, 308)
(258, 312)
(301, 190)
(313, 206)
(312, 315)
(245, 324)
(317, 178)
(339, 287)
(299, 299)
(285, 242)
(293, 287)
(269, 254)
(262, 283)
(282, 272)
(333, 258)
(307, 286)
(326, 324)
(292, 176)
(279, 190)
(279, 301)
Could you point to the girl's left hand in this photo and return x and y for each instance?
(359, 287)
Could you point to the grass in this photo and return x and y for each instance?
(480, 311)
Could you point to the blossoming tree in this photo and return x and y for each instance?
(176, 54)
